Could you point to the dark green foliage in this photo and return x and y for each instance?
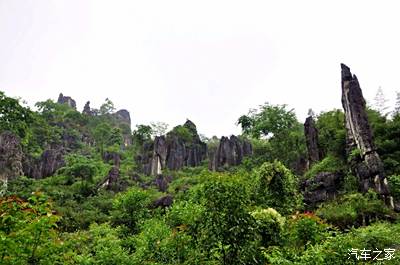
(328, 164)
(277, 187)
(354, 210)
(225, 231)
(132, 207)
(249, 214)
(394, 186)
(332, 133)
(27, 230)
(279, 129)
(13, 116)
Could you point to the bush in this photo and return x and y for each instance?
(277, 187)
(328, 164)
(394, 185)
(28, 232)
(354, 210)
(270, 225)
(99, 245)
(132, 207)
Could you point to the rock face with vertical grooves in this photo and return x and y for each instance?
(367, 166)
(311, 135)
(230, 152)
(66, 100)
(10, 156)
(46, 165)
(181, 147)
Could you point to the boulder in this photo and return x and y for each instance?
(324, 186)
(163, 202)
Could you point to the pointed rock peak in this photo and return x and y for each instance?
(346, 73)
(190, 125)
(86, 109)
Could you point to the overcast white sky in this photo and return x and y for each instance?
(210, 61)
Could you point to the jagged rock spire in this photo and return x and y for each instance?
(311, 135)
(367, 165)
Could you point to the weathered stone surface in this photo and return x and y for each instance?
(123, 116)
(324, 186)
(112, 180)
(46, 165)
(230, 152)
(66, 100)
(311, 135)
(173, 151)
(368, 167)
(10, 156)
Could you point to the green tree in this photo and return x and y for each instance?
(226, 231)
(279, 126)
(13, 116)
(27, 230)
(332, 133)
(107, 107)
(142, 134)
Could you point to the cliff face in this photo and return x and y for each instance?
(367, 165)
(230, 152)
(10, 156)
(179, 148)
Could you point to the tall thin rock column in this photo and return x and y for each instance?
(311, 135)
(366, 162)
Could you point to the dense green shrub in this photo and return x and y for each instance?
(328, 164)
(28, 232)
(132, 207)
(354, 210)
(394, 185)
(269, 224)
(277, 187)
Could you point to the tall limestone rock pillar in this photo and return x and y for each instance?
(311, 135)
(367, 165)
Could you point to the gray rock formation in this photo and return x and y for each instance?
(368, 166)
(230, 152)
(46, 165)
(112, 180)
(163, 202)
(10, 157)
(123, 116)
(324, 186)
(87, 110)
(179, 148)
(311, 135)
(66, 100)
